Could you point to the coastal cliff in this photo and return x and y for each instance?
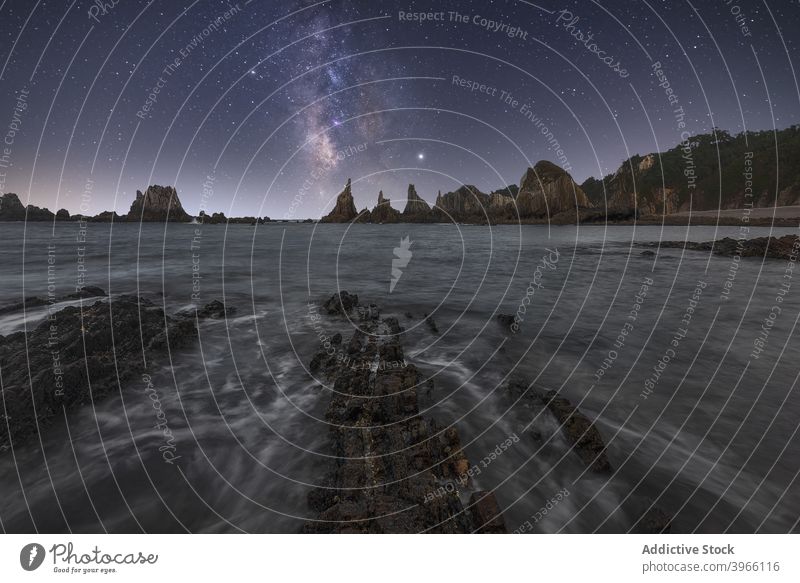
(706, 172)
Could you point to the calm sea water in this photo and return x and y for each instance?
(714, 442)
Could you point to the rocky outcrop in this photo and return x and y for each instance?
(158, 204)
(212, 219)
(341, 303)
(784, 247)
(466, 203)
(546, 190)
(580, 431)
(80, 354)
(89, 291)
(582, 434)
(12, 209)
(345, 209)
(383, 211)
(500, 202)
(394, 471)
(106, 217)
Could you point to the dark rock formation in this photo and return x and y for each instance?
(582, 433)
(106, 217)
(391, 465)
(345, 209)
(215, 310)
(34, 302)
(417, 210)
(213, 219)
(653, 521)
(506, 321)
(341, 303)
(431, 323)
(486, 514)
(383, 211)
(158, 204)
(657, 184)
(12, 209)
(547, 189)
(512, 190)
(771, 247)
(467, 204)
(63, 215)
(101, 344)
(579, 430)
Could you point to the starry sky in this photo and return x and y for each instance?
(266, 107)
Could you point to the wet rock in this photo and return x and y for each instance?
(34, 302)
(580, 431)
(506, 321)
(89, 291)
(486, 514)
(214, 310)
(79, 355)
(770, 247)
(431, 324)
(390, 462)
(341, 303)
(654, 521)
(393, 326)
(370, 312)
(31, 302)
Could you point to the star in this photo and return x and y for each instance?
(421, 156)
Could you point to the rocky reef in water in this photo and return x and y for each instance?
(585, 442)
(391, 464)
(786, 247)
(79, 354)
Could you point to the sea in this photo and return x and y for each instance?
(686, 362)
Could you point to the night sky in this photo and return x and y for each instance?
(267, 102)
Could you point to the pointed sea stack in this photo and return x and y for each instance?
(417, 210)
(383, 211)
(158, 204)
(345, 209)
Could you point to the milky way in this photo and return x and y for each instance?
(280, 100)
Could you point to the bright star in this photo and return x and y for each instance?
(421, 156)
